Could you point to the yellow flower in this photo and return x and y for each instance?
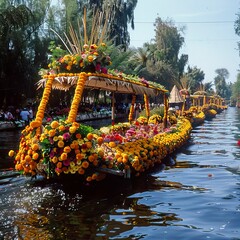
(54, 124)
(11, 153)
(35, 124)
(52, 132)
(63, 156)
(67, 149)
(60, 144)
(35, 156)
(35, 147)
(61, 128)
(72, 129)
(89, 136)
(90, 58)
(112, 144)
(55, 138)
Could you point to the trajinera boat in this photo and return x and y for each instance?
(64, 147)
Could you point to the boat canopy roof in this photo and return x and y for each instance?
(107, 82)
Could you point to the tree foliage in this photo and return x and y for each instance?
(25, 35)
(159, 59)
(222, 88)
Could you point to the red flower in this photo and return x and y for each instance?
(238, 142)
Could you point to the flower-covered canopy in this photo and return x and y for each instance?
(107, 82)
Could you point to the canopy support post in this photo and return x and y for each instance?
(165, 117)
(113, 109)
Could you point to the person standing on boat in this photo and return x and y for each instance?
(24, 114)
(30, 113)
(138, 109)
(8, 116)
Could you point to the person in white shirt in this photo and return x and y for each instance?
(30, 113)
(24, 114)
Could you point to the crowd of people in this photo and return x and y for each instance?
(16, 114)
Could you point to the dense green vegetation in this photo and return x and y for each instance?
(26, 33)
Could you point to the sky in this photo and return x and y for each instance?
(210, 39)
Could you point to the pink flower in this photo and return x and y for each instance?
(98, 67)
(104, 70)
(66, 136)
(66, 162)
(51, 155)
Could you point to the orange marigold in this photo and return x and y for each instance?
(85, 164)
(54, 124)
(60, 144)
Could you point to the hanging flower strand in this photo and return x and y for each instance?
(77, 97)
(130, 116)
(42, 106)
(146, 101)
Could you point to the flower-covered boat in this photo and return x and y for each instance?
(64, 147)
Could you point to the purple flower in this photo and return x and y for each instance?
(51, 155)
(104, 70)
(66, 136)
(66, 162)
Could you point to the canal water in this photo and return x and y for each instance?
(198, 197)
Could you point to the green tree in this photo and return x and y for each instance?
(159, 60)
(222, 89)
(196, 77)
(236, 90)
(12, 20)
(25, 37)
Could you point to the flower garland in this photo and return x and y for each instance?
(131, 111)
(77, 97)
(42, 106)
(147, 109)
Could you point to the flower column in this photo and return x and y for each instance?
(146, 102)
(77, 97)
(165, 117)
(42, 106)
(131, 111)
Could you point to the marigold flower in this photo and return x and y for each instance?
(89, 145)
(60, 144)
(52, 133)
(112, 144)
(54, 159)
(81, 171)
(72, 129)
(89, 179)
(78, 136)
(100, 140)
(35, 147)
(11, 153)
(94, 176)
(59, 165)
(79, 156)
(90, 58)
(35, 156)
(61, 128)
(89, 136)
(67, 149)
(54, 124)
(91, 158)
(63, 156)
(85, 164)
